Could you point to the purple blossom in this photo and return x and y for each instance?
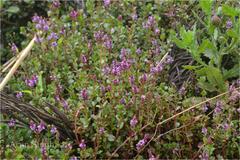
(143, 78)
(204, 131)
(133, 121)
(218, 107)
(205, 107)
(123, 101)
(14, 48)
(84, 59)
(35, 19)
(169, 60)
(134, 17)
(235, 96)
(238, 110)
(53, 35)
(182, 90)
(84, 94)
(106, 3)
(150, 22)
(143, 98)
(32, 125)
(204, 156)
(39, 39)
(73, 158)
(138, 51)
(53, 130)
(119, 17)
(41, 23)
(229, 24)
(156, 31)
(135, 89)
(98, 35)
(82, 145)
(40, 127)
(32, 82)
(140, 144)
(65, 104)
(123, 53)
(73, 14)
(43, 149)
(108, 44)
(101, 130)
(12, 123)
(225, 126)
(54, 44)
(56, 4)
(131, 80)
(19, 95)
(116, 81)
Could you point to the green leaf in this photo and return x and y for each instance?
(13, 9)
(190, 67)
(229, 11)
(111, 137)
(206, 6)
(233, 72)
(27, 91)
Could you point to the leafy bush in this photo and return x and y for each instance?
(106, 67)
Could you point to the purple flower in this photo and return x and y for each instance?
(98, 35)
(19, 95)
(133, 121)
(40, 127)
(123, 101)
(235, 96)
(84, 94)
(150, 22)
(54, 44)
(182, 90)
(53, 130)
(73, 158)
(156, 31)
(204, 131)
(41, 23)
(226, 126)
(238, 110)
(143, 98)
(135, 89)
(101, 130)
(38, 39)
(84, 59)
(73, 14)
(143, 78)
(134, 17)
(65, 104)
(53, 35)
(218, 107)
(108, 44)
(14, 48)
(35, 19)
(140, 144)
(229, 24)
(32, 82)
(116, 81)
(43, 149)
(32, 125)
(205, 107)
(204, 156)
(56, 4)
(12, 123)
(169, 60)
(123, 53)
(138, 51)
(131, 80)
(106, 3)
(68, 146)
(82, 145)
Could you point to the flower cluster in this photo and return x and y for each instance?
(37, 128)
(133, 121)
(142, 142)
(160, 65)
(40, 23)
(32, 82)
(19, 95)
(82, 144)
(12, 123)
(103, 38)
(150, 23)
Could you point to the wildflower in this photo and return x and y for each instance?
(43, 149)
(226, 126)
(84, 59)
(41, 24)
(133, 121)
(123, 53)
(12, 123)
(116, 81)
(138, 51)
(53, 35)
(135, 89)
(40, 127)
(204, 130)
(204, 156)
(82, 145)
(238, 110)
(56, 4)
(54, 44)
(205, 107)
(229, 24)
(106, 3)
(120, 18)
(32, 82)
(14, 48)
(182, 90)
(32, 125)
(53, 130)
(131, 80)
(143, 78)
(19, 95)
(35, 19)
(156, 31)
(68, 146)
(108, 44)
(65, 104)
(140, 144)
(218, 107)
(134, 17)
(101, 130)
(169, 60)
(150, 22)
(84, 94)
(73, 158)
(123, 101)
(73, 14)
(98, 35)
(143, 98)
(39, 39)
